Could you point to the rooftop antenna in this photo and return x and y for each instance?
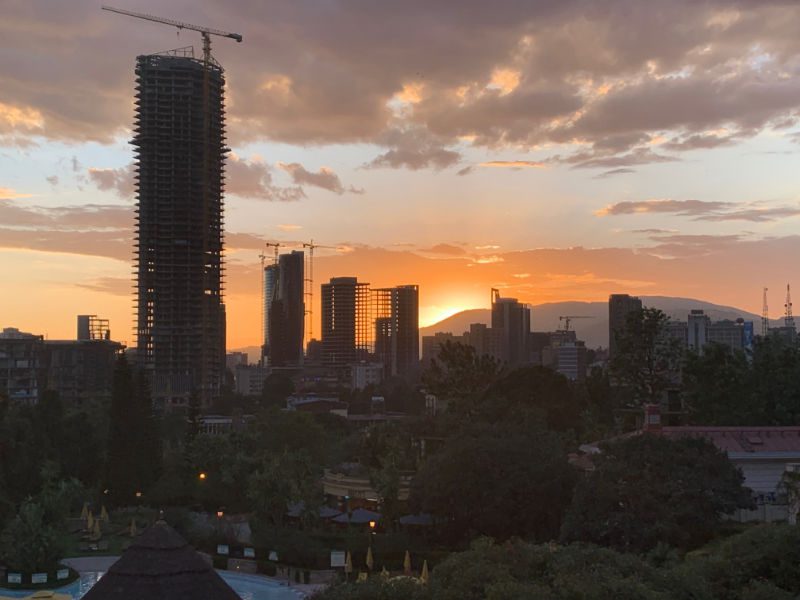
(765, 316)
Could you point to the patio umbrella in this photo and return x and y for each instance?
(90, 521)
(104, 514)
(96, 532)
(423, 577)
(85, 511)
(407, 564)
(384, 573)
(133, 528)
(370, 561)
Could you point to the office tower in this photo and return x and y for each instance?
(619, 307)
(397, 329)
(180, 146)
(287, 312)
(270, 282)
(511, 325)
(345, 321)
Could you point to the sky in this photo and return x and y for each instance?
(556, 150)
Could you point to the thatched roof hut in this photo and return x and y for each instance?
(161, 565)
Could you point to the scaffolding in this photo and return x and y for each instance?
(347, 335)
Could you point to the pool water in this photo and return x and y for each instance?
(249, 587)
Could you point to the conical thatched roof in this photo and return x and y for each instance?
(160, 565)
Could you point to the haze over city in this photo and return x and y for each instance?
(554, 150)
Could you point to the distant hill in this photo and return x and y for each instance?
(594, 330)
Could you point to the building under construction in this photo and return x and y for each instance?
(346, 322)
(396, 313)
(180, 147)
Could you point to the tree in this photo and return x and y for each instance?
(528, 392)
(134, 445)
(647, 358)
(647, 489)
(518, 570)
(458, 372)
(30, 543)
(277, 388)
(502, 481)
(717, 387)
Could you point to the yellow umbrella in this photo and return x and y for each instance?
(384, 573)
(85, 511)
(407, 564)
(90, 521)
(370, 561)
(423, 577)
(348, 563)
(104, 514)
(96, 532)
(134, 533)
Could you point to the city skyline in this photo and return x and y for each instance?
(469, 162)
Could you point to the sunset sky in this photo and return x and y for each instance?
(558, 150)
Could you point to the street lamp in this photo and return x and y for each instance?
(202, 476)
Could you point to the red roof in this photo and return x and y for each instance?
(741, 439)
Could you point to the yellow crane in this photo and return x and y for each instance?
(310, 280)
(205, 32)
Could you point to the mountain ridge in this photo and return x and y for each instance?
(594, 329)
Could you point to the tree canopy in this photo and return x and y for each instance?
(647, 490)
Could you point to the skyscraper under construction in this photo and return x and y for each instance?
(180, 146)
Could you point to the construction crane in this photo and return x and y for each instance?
(310, 281)
(274, 245)
(764, 315)
(788, 319)
(205, 32)
(569, 318)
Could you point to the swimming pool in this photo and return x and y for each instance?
(249, 587)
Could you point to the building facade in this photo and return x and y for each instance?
(619, 307)
(180, 145)
(511, 324)
(287, 312)
(396, 312)
(21, 370)
(346, 323)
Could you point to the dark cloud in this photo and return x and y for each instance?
(413, 148)
(325, 178)
(446, 249)
(615, 75)
(87, 217)
(702, 210)
(465, 171)
(120, 181)
(253, 179)
(116, 286)
(677, 207)
(613, 172)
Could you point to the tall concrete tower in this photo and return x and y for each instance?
(180, 146)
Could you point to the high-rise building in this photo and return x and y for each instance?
(180, 146)
(346, 322)
(619, 307)
(511, 325)
(286, 310)
(397, 329)
(270, 282)
(21, 369)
